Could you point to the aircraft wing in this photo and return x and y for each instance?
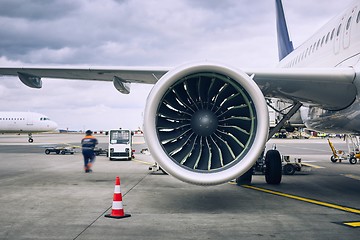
(330, 88)
(128, 74)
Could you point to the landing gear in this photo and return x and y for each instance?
(273, 171)
(245, 178)
(270, 165)
(30, 140)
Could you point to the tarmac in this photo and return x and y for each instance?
(50, 197)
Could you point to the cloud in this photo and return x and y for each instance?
(135, 33)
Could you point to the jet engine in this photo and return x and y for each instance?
(206, 123)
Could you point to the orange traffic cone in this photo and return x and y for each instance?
(117, 206)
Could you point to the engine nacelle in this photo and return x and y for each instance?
(206, 123)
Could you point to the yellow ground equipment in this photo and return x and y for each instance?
(352, 156)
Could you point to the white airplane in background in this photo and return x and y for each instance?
(25, 122)
(207, 123)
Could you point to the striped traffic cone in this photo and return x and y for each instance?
(117, 206)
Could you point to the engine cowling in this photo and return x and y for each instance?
(206, 123)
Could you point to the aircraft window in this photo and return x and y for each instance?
(332, 34)
(358, 17)
(317, 45)
(338, 30)
(348, 23)
(322, 40)
(327, 37)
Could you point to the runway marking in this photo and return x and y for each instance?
(352, 224)
(324, 204)
(352, 176)
(143, 162)
(312, 165)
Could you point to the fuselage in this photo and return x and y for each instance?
(337, 44)
(25, 122)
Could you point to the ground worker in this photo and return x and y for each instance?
(88, 144)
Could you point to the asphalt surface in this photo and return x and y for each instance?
(50, 197)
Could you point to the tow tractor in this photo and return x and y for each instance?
(353, 154)
(59, 150)
(101, 151)
(289, 168)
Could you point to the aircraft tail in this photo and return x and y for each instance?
(285, 46)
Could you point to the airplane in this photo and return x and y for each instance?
(207, 123)
(25, 122)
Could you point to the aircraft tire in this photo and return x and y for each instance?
(273, 173)
(47, 151)
(30, 140)
(333, 159)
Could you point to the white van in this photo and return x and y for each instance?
(120, 144)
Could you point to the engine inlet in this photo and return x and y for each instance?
(205, 121)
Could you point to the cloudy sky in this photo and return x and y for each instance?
(135, 33)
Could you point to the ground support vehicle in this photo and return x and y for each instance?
(289, 168)
(60, 150)
(353, 151)
(120, 144)
(101, 151)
